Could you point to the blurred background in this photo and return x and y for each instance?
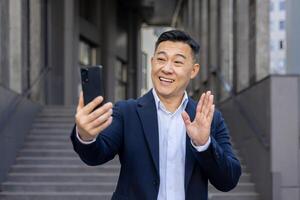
(249, 59)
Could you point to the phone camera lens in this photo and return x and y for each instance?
(84, 74)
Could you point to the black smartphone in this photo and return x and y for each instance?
(91, 82)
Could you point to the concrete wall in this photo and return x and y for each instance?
(285, 135)
(13, 110)
(264, 122)
(13, 46)
(255, 102)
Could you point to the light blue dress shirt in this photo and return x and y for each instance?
(172, 144)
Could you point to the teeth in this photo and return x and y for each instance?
(165, 79)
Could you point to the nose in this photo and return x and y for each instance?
(168, 68)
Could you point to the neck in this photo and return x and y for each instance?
(171, 102)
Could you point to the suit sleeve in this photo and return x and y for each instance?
(218, 162)
(107, 144)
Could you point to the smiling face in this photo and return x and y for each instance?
(173, 67)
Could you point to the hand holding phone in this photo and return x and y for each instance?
(92, 115)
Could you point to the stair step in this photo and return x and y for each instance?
(67, 111)
(241, 187)
(56, 114)
(50, 146)
(233, 196)
(46, 152)
(62, 144)
(51, 131)
(245, 177)
(59, 187)
(49, 138)
(75, 160)
(54, 120)
(62, 177)
(64, 168)
(55, 195)
(50, 125)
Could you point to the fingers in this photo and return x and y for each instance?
(91, 122)
(99, 129)
(204, 105)
(99, 112)
(211, 113)
(208, 103)
(186, 118)
(200, 103)
(92, 105)
(101, 119)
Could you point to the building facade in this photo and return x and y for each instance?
(245, 45)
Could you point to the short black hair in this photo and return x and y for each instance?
(179, 36)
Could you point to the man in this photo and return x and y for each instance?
(169, 146)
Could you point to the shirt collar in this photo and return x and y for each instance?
(160, 105)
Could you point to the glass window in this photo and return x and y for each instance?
(144, 73)
(282, 5)
(271, 6)
(87, 53)
(281, 44)
(121, 80)
(281, 25)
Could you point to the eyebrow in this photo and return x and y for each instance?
(164, 53)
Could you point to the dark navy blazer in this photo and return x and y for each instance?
(133, 135)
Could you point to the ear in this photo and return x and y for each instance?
(152, 60)
(195, 70)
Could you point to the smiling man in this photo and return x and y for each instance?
(169, 146)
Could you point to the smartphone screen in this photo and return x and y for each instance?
(91, 82)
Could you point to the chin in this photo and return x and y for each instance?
(163, 92)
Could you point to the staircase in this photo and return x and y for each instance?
(47, 168)
(245, 190)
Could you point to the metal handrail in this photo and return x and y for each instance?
(255, 129)
(11, 108)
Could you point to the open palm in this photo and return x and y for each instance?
(199, 129)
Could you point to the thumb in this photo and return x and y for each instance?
(186, 118)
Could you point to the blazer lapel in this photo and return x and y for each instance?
(189, 158)
(147, 112)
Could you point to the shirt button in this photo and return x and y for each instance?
(155, 182)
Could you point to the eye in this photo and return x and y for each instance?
(161, 59)
(178, 62)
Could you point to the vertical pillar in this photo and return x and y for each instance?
(262, 39)
(71, 37)
(196, 84)
(108, 46)
(242, 44)
(4, 43)
(15, 45)
(226, 54)
(36, 51)
(204, 41)
(55, 45)
(134, 55)
(213, 39)
(293, 39)
(252, 41)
